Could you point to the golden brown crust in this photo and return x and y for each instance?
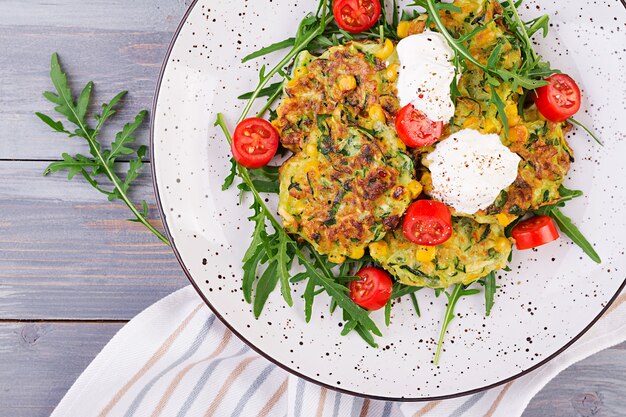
(320, 91)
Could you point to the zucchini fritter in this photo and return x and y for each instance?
(350, 179)
(473, 251)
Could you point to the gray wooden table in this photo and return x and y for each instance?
(72, 270)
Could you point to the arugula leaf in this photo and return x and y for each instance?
(108, 110)
(265, 285)
(102, 165)
(497, 101)
(123, 138)
(566, 226)
(494, 57)
(388, 312)
(459, 292)
(490, 291)
(55, 125)
(74, 165)
(540, 23)
(83, 100)
(134, 167)
(400, 290)
(586, 129)
(415, 304)
(268, 91)
(309, 295)
(269, 49)
(348, 327)
(228, 181)
(366, 335)
(261, 186)
(249, 275)
(284, 259)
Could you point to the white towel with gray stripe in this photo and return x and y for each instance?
(176, 359)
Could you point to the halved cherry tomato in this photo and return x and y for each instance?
(356, 15)
(255, 142)
(373, 290)
(415, 129)
(427, 223)
(558, 100)
(534, 232)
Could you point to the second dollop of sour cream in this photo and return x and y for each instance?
(469, 169)
(425, 74)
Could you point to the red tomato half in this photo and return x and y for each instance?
(427, 223)
(534, 232)
(415, 129)
(558, 100)
(356, 15)
(255, 142)
(373, 290)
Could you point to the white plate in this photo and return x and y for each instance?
(550, 298)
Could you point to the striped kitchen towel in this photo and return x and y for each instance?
(176, 359)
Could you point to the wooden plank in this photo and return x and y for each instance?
(40, 361)
(121, 52)
(136, 15)
(592, 387)
(68, 253)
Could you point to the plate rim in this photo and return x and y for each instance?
(268, 356)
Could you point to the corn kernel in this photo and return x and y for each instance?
(415, 188)
(311, 150)
(471, 278)
(300, 205)
(425, 253)
(403, 29)
(357, 253)
(502, 245)
(377, 114)
(336, 259)
(511, 114)
(300, 71)
(392, 72)
(385, 50)
(504, 219)
(311, 166)
(378, 248)
(518, 134)
(490, 126)
(472, 122)
(347, 82)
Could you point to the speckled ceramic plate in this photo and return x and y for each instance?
(551, 297)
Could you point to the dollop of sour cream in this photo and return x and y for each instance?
(469, 169)
(425, 74)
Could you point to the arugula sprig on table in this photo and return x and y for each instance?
(101, 168)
